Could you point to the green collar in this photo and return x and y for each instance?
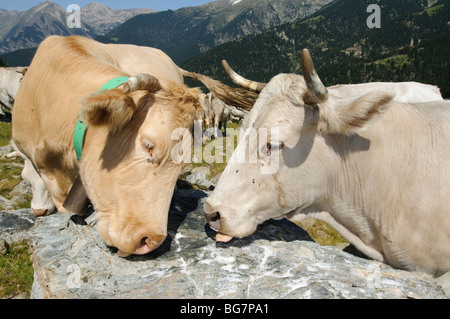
(81, 128)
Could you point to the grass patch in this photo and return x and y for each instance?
(10, 169)
(10, 172)
(396, 60)
(430, 11)
(214, 153)
(322, 233)
(16, 271)
(5, 133)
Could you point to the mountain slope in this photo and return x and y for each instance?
(8, 19)
(186, 32)
(22, 30)
(344, 49)
(103, 19)
(34, 25)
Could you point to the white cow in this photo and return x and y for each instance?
(220, 113)
(404, 91)
(41, 203)
(9, 85)
(207, 115)
(377, 170)
(237, 114)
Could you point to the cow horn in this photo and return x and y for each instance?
(241, 81)
(317, 92)
(141, 82)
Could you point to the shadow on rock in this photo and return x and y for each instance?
(271, 230)
(184, 202)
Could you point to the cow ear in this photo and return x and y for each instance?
(109, 107)
(347, 116)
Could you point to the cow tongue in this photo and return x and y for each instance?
(223, 238)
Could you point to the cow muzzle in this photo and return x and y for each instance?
(40, 212)
(213, 218)
(145, 246)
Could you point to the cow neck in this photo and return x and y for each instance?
(81, 128)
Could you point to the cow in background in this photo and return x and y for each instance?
(41, 203)
(10, 79)
(408, 92)
(219, 114)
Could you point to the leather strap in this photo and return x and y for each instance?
(81, 128)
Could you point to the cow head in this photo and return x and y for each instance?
(129, 168)
(288, 134)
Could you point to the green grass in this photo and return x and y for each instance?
(10, 177)
(5, 133)
(322, 233)
(10, 169)
(396, 60)
(433, 10)
(217, 163)
(16, 271)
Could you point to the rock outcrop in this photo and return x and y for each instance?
(279, 261)
(15, 225)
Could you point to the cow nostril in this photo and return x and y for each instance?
(214, 220)
(143, 242)
(215, 217)
(148, 244)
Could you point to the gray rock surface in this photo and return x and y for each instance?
(199, 176)
(16, 225)
(5, 150)
(278, 261)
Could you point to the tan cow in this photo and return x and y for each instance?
(375, 169)
(127, 167)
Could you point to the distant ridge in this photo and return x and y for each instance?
(186, 32)
(413, 44)
(27, 29)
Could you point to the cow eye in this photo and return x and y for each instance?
(271, 147)
(149, 147)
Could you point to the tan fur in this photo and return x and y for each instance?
(185, 101)
(109, 107)
(240, 98)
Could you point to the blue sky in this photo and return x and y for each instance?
(158, 5)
